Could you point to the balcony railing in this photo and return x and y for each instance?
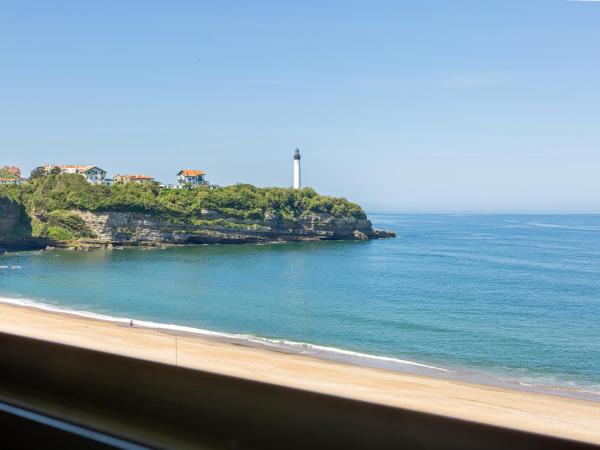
(57, 396)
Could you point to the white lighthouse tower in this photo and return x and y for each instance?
(297, 182)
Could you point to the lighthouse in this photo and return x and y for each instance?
(297, 183)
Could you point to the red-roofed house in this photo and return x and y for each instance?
(191, 177)
(10, 175)
(10, 181)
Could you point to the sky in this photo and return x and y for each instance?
(450, 106)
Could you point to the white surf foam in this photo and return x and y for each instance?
(325, 352)
(561, 226)
(334, 350)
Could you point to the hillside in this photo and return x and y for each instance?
(65, 210)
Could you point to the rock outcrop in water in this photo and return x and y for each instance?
(64, 211)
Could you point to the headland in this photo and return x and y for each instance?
(66, 211)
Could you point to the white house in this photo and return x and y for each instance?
(92, 174)
(10, 181)
(10, 175)
(192, 178)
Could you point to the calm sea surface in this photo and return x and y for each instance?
(513, 297)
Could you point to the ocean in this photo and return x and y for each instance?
(508, 299)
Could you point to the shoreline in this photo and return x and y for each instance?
(322, 352)
(229, 354)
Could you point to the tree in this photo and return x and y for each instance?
(55, 171)
(38, 172)
(5, 173)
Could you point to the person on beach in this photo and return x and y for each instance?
(131, 323)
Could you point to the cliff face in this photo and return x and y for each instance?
(10, 216)
(15, 229)
(124, 228)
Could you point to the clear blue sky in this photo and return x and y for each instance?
(416, 105)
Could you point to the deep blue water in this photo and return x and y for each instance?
(512, 295)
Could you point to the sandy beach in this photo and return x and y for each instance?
(548, 414)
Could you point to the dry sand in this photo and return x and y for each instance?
(541, 413)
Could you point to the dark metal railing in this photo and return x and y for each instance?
(136, 402)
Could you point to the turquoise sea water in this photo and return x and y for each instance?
(506, 297)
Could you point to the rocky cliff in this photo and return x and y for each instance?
(15, 229)
(113, 228)
(10, 216)
(124, 228)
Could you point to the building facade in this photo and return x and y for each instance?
(192, 178)
(10, 181)
(10, 175)
(133, 179)
(92, 174)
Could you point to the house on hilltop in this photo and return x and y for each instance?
(92, 174)
(134, 179)
(192, 178)
(6, 180)
(10, 175)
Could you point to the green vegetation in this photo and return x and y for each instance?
(12, 192)
(60, 225)
(50, 199)
(38, 172)
(4, 173)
